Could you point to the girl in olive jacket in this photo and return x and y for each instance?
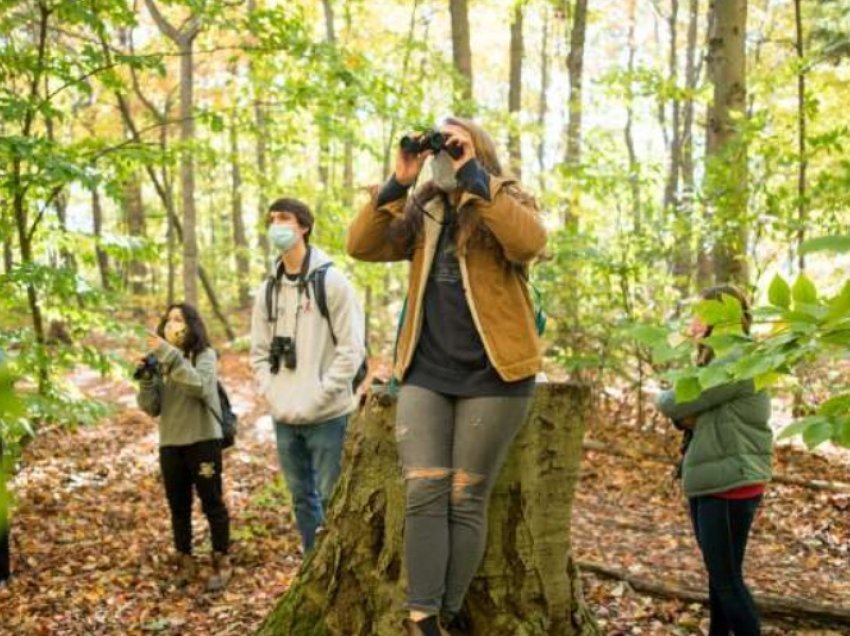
(468, 348)
(726, 467)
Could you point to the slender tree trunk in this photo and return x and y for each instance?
(726, 169)
(167, 202)
(462, 56)
(187, 174)
(661, 104)
(136, 227)
(683, 253)
(261, 132)
(671, 190)
(515, 92)
(19, 192)
(802, 162)
(184, 39)
(405, 65)
(528, 583)
(97, 223)
(60, 203)
(8, 256)
(634, 164)
(240, 242)
(575, 68)
(543, 102)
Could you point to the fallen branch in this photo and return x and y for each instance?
(813, 484)
(769, 605)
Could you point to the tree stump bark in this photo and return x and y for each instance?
(528, 584)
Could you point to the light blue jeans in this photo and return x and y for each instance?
(310, 457)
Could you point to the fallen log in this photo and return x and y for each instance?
(768, 604)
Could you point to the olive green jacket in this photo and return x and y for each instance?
(732, 442)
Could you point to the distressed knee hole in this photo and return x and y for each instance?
(461, 482)
(426, 473)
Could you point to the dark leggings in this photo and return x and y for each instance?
(199, 466)
(722, 527)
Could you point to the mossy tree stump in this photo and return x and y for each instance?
(528, 585)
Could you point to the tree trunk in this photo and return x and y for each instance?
(802, 161)
(184, 39)
(726, 166)
(528, 583)
(683, 253)
(240, 242)
(671, 190)
(391, 141)
(515, 92)
(543, 105)
(97, 223)
(634, 164)
(187, 174)
(575, 68)
(462, 56)
(260, 129)
(135, 213)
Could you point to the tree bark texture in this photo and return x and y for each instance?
(462, 55)
(528, 584)
(515, 92)
(240, 241)
(575, 69)
(726, 169)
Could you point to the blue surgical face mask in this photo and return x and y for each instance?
(283, 236)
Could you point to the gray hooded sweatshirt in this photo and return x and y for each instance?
(319, 388)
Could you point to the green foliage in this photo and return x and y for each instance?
(802, 328)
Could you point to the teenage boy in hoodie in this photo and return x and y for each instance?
(304, 363)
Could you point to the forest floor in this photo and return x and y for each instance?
(91, 538)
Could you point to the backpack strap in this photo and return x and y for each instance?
(321, 295)
(271, 287)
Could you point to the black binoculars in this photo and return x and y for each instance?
(429, 140)
(147, 369)
(282, 348)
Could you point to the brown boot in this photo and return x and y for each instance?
(186, 570)
(222, 571)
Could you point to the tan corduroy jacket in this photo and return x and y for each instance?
(496, 292)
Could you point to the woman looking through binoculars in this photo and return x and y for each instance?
(467, 351)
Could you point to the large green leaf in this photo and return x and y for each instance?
(725, 311)
(797, 427)
(835, 243)
(817, 433)
(836, 405)
(841, 432)
(804, 291)
(713, 375)
(687, 389)
(779, 293)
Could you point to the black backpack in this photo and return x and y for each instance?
(317, 280)
(228, 420)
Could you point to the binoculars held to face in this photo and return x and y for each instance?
(432, 140)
